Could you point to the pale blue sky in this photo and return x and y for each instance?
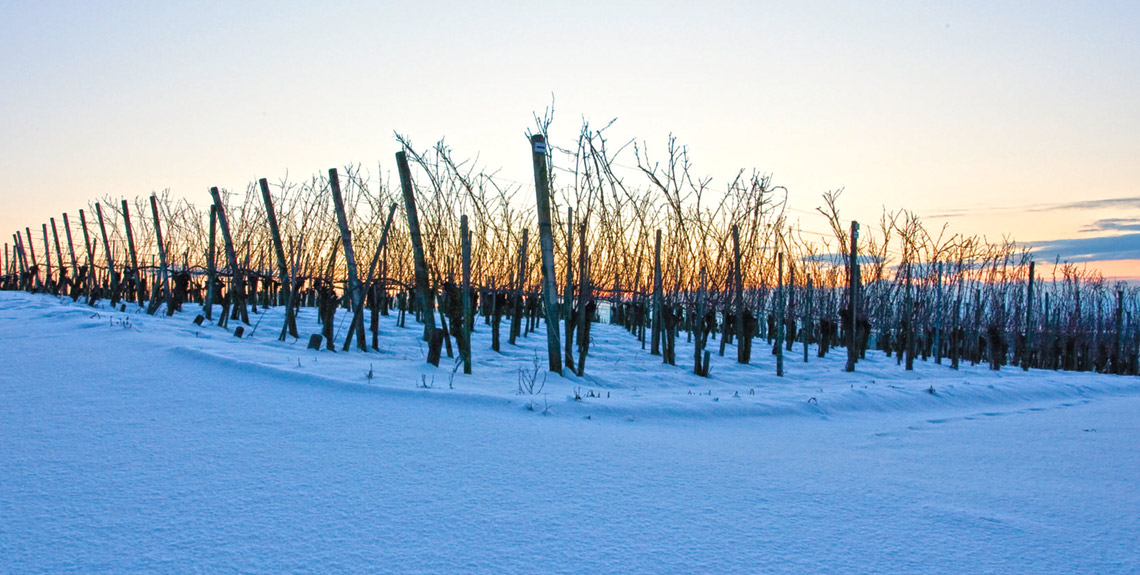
(921, 105)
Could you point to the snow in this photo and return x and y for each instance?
(133, 443)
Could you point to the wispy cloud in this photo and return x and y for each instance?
(1132, 202)
(1113, 225)
(1076, 250)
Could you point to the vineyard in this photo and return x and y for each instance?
(687, 268)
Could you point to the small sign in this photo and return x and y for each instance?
(540, 147)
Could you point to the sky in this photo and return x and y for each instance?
(1001, 119)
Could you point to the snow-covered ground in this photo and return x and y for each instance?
(134, 443)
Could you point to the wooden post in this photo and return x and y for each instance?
(21, 257)
(546, 241)
(517, 311)
(465, 349)
(87, 245)
(140, 292)
(780, 303)
(367, 282)
(290, 326)
(354, 291)
(743, 340)
(58, 249)
(211, 264)
(1117, 347)
(702, 335)
(58, 256)
(47, 254)
(31, 245)
(1028, 345)
(426, 302)
(938, 314)
(909, 315)
(568, 290)
(853, 298)
(109, 256)
(658, 300)
(790, 311)
(163, 275)
(237, 296)
(70, 246)
(584, 296)
(808, 328)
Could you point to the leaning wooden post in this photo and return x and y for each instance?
(163, 276)
(853, 298)
(658, 301)
(546, 241)
(584, 296)
(568, 290)
(70, 246)
(1028, 345)
(517, 309)
(238, 292)
(780, 307)
(807, 328)
(465, 350)
(22, 258)
(47, 253)
(211, 264)
(367, 281)
(938, 314)
(909, 302)
(140, 295)
(110, 257)
(87, 245)
(58, 256)
(58, 251)
(290, 326)
(1117, 347)
(743, 340)
(354, 290)
(91, 277)
(422, 283)
(700, 366)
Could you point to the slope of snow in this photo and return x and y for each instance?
(133, 443)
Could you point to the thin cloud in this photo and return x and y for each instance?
(1132, 202)
(1077, 250)
(1113, 225)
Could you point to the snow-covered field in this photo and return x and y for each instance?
(134, 443)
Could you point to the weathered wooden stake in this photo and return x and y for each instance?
(237, 292)
(465, 349)
(808, 328)
(584, 296)
(780, 313)
(47, 254)
(140, 292)
(938, 314)
(355, 293)
(1028, 345)
(70, 246)
(517, 311)
(699, 367)
(290, 325)
(909, 305)
(568, 290)
(853, 298)
(658, 300)
(211, 264)
(109, 256)
(743, 340)
(163, 271)
(546, 241)
(426, 299)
